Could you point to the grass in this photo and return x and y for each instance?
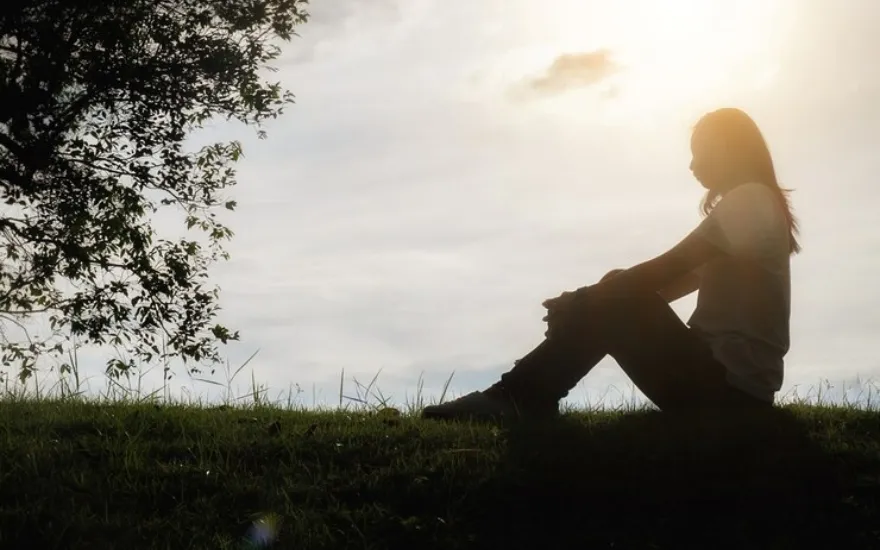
(140, 473)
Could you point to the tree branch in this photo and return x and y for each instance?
(14, 148)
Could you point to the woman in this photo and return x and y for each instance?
(730, 355)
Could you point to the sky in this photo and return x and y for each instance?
(448, 166)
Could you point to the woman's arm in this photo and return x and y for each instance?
(661, 272)
(654, 275)
(681, 287)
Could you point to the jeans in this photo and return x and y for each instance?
(668, 361)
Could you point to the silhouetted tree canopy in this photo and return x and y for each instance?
(96, 101)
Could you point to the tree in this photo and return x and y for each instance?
(96, 102)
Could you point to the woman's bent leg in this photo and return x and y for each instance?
(664, 358)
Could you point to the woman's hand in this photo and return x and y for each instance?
(556, 310)
(554, 304)
(567, 297)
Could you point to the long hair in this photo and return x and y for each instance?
(744, 140)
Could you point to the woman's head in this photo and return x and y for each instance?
(728, 150)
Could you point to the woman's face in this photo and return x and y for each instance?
(708, 161)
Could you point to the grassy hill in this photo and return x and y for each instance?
(76, 474)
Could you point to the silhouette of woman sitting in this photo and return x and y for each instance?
(729, 354)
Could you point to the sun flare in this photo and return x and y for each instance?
(673, 55)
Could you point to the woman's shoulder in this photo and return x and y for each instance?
(755, 202)
(751, 189)
(749, 196)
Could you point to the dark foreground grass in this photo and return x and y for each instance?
(79, 475)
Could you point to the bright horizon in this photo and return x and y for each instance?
(448, 167)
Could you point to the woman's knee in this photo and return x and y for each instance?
(623, 302)
(611, 274)
(611, 318)
(628, 323)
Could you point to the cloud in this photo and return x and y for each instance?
(332, 21)
(333, 15)
(574, 70)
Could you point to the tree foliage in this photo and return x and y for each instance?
(97, 100)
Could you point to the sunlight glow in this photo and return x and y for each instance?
(673, 56)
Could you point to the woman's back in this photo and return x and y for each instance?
(744, 300)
